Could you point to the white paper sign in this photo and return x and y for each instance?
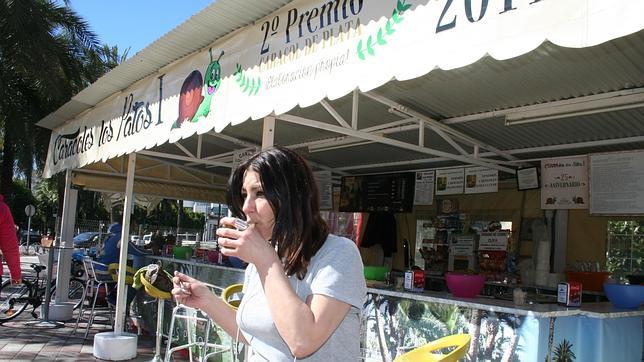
(565, 183)
(424, 194)
(462, 245)
(480, 180)
(493, 241)
(450, 181)
(617, 183)
(325, 189)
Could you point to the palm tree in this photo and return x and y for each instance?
(43, 49)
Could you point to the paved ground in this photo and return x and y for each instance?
(20, 341)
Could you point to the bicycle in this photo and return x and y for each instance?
(14, 299)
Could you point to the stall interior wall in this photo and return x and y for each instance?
(586, 233)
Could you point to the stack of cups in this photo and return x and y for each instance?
(543, 263)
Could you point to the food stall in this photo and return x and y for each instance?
(451, 93)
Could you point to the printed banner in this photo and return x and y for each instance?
(480, 180)
(450, 181)
(311, 49)
(565, 183)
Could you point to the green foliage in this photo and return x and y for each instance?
(563, 352)
(47, 54)
(20, 198)
(626, 248)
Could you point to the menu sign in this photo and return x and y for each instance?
(565, 183)
(371, 193)
(450, 181)
(480, 180)
(617, 183)
(424, 191)
(493, 241)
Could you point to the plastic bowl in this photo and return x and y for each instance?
(182, 252)
(375, 272)
(625, 295)
(464, 285)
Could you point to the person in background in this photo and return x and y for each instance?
(110, 252)
(157, 242)
(9, 243)
(303, 288)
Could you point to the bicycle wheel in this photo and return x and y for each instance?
(75, 294)
(13, 300)
(76, 289)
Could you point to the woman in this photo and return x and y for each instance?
(9, 244)
(303, 288)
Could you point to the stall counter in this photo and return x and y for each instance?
(397, 320)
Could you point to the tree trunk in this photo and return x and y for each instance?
(8, 160)
(179, 214)
(475, 332)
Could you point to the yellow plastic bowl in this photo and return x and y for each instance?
(154, 291)
(228, 293)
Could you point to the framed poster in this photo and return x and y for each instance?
(565, 183)
(527, 178)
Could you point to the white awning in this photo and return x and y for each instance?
(311, 50)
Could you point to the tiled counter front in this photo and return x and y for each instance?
(395, 321)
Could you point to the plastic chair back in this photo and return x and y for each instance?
(96, 272)
(425, 353)
(113, 269)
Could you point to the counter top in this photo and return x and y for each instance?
(194, 263)
(593, 310)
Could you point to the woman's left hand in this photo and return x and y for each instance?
(247, 245)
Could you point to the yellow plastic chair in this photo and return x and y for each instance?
(425, 353)
(113, 268)
(230, 295)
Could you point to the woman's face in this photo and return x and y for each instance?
(256, 207)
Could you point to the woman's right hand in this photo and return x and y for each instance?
(191, 292)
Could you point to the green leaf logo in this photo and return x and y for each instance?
(246, 84)
(383, 32)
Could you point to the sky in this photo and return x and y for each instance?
(135, 23)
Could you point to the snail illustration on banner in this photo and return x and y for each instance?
(196, 95)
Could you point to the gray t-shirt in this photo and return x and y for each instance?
(336, 271)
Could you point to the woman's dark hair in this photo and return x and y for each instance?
(290, 188)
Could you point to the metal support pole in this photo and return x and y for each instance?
(50, 263)
(159, 333)
(44, 321)
(121, 290)
(28, 234)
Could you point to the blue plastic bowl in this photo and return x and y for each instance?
(625, 295)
